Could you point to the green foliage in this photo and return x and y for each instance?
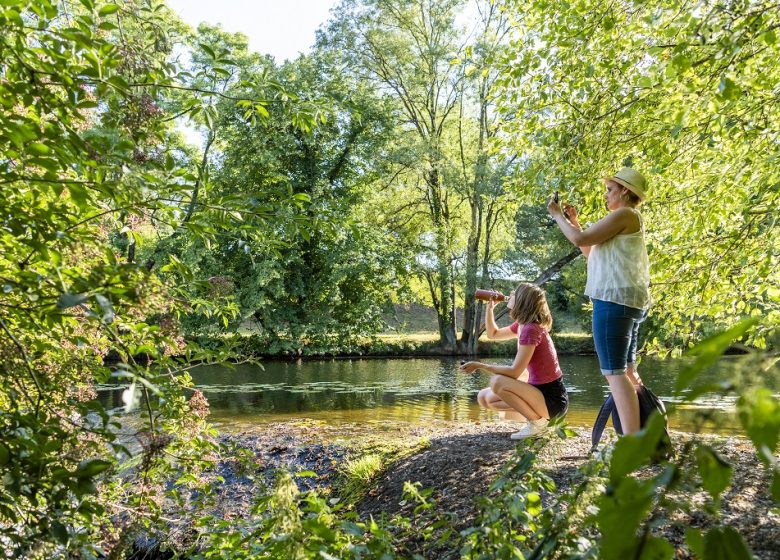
(303, 267)
(686, 96)
(289, 524)
(616, 500)
(358, 475)
(91, 167)
(715, 471)
(724, 543)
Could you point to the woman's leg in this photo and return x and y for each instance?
(488, 399)
(626, 401)
(613, 326)
(520, 396)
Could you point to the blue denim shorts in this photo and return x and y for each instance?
(615, 333)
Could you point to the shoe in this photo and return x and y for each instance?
(532, 429)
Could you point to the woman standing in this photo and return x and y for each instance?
(533, 384)
(618, 283)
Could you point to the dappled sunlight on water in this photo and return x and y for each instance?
(420, 390)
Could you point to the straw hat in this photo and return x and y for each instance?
(632, 180)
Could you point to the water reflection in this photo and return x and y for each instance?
(422, 390)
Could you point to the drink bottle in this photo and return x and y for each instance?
(487, 295)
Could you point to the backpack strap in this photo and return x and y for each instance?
(648, 403)
(607, 409)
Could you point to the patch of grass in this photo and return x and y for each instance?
(371, 458)
(358, 475)
(419, 337)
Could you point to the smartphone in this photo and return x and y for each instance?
(555, 197)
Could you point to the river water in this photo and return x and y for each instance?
(428, 389)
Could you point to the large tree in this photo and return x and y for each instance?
(685, 92)
(328, 281)
(445, 196)
(406, 46)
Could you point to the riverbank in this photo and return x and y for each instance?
(383, 345)
(367, 465)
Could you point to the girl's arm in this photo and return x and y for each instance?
(491, 328)
(515, 371)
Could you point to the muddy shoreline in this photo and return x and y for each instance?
(458, 461)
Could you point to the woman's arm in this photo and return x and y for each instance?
(570, 212)
(524, 353)
(491, 328)
(616, 222)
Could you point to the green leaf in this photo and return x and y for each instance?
(656, 548)
(5, 454)
(728, 89)
(67, 300)
(682, 62)
(129, 397)
(108, 9)
(759, 414)
(208, 50)
(776, 485)
(633, 451)
(714, 470)
(108, 309)
(85, 486)
(770, 37)
(725, 543)
(60, 532)
(708, 351)
(92, 467)
(695, 540)
(39, 149)
(621, 510)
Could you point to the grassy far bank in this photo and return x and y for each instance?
(411, 330)
(249, 344)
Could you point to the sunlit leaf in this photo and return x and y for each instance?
(759, 414)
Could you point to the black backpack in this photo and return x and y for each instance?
(648, 403)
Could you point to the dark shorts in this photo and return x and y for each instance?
(555, 397)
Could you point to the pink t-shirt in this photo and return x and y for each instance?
(543, 367)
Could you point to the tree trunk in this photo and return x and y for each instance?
(472, 311)
(444, 283)
(467, 342)
(543, 278)
(490, 220)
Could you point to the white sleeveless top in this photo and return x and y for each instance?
(619, 270)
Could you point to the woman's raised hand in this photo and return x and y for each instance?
(571, 213)
(553, 208)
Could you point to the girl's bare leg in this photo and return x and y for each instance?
(488, 399)
(520, 396)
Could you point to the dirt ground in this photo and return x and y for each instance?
(458, 461)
